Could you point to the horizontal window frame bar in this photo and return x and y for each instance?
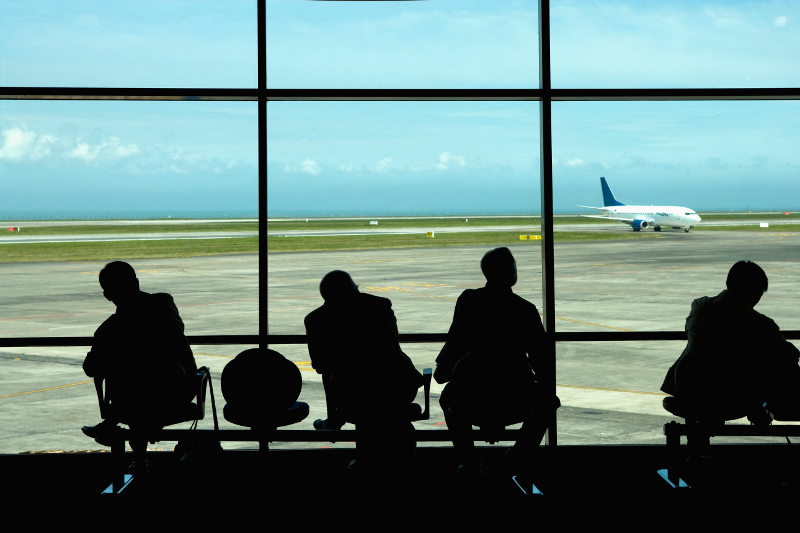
(405, 338)
(194, 340)
(536, 94)
(127, 93)
(199, 94)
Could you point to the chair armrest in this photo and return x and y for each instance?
(427, 374)
(101, 400)
(202, 377)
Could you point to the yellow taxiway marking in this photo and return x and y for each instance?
(591, 323)
(300, 364)
(51, 388)
(612, 390)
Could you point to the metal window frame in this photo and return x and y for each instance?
(545, 94)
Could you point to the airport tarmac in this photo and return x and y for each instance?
(609, 390)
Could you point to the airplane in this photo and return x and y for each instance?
(641, 217)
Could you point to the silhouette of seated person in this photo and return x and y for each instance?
(490, 363)
(353, 341)
(141, 353)
(736, 358)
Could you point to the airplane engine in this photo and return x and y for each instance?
(640, 224)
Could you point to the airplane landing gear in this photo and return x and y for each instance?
(657, 228)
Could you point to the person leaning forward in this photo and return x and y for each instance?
(736, 358)
(141, 352)
(490, 363)
(353, 341)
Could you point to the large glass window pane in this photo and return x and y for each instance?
(392, 45)
(610, 394)
(173, 43)
(674, 44)
(732, 163)
(357, 186)
(169, 187)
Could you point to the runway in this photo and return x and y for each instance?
(609, 391)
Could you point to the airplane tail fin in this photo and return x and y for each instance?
(608, 196)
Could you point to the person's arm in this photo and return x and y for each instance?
(534, 340)
(93, 364)
(174, 335)
(452, 351)
(316, 347)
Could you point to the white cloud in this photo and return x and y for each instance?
(21, 143)
(382, 165)
(781, 21)
(606, 166)
(349, 167)
(309, 166)
(446, 159)
(113, 148)
(575, 162)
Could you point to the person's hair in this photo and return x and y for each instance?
(497, 265)
(337, 284)
(118, 276)
(747, 277)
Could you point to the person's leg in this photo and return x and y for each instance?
(544, 404)
(463, 446)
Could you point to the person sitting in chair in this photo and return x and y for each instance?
(353, 341)
(141, 353)
(736, 358)
(488, 362)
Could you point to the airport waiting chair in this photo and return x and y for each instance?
(261, 388)
(186, 412)
(412, 412)
(190, 411)
(701, 422)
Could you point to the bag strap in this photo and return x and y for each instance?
(213, 404)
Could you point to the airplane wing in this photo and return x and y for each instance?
(588, 207)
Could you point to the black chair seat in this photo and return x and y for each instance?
(406, 413)
(784, 413)
(719, 413)
(257, 417)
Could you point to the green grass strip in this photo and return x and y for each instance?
(423, 223)
(114, 250)
(493, 238)
(92, 229)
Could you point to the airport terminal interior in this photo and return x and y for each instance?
(613, 304)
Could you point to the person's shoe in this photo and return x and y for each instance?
(760, 417)
(326, 424)
(99, 429)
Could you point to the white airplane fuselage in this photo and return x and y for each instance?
(655, 215)
(641, 217)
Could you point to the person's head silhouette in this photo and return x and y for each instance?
(119, 282)
(499, 267)
(748, 280)
(337, 286)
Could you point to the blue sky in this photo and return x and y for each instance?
(382, 157)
